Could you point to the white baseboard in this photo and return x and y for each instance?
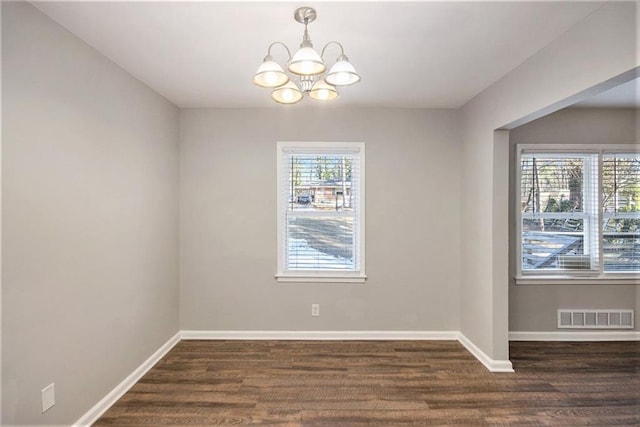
(320, 335)
(101, 407)
(575, 336)
(489, 363)
(492, 365)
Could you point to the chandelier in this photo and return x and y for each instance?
(306, 72)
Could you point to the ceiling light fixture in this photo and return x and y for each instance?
(305, 72)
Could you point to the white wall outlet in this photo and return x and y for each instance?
(315, 310)
(48, 397)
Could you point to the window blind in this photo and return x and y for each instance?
(621, 211)
(579, 212)
(559, 211)
(320, 196)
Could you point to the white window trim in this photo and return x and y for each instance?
(324, 276)
(561, 277)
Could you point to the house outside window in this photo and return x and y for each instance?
(578, 213)
(321, 212)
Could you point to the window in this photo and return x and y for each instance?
(579, 213)
(321, 212)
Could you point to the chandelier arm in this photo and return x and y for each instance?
(327, 45)
(281, 44)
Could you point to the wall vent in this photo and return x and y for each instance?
(595, 319)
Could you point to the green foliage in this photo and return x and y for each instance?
(631, 194)
(332, 168)
(563, 205)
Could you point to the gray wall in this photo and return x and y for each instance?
(602, 46)
(90, 210)
(89, 198)
(228, 221)
(534, 307)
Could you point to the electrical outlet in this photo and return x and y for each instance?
(48, 397)
(315, 310)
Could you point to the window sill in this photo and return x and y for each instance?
(320, 278)
(577, 280)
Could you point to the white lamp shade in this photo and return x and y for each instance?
(287, 94)
(321, 91)
(342, 74)
(270, 74)
(307, 62)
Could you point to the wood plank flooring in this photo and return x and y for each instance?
(383, 383)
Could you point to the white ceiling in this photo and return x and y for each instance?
(409, 54)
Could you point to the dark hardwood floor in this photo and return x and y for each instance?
(383, 383)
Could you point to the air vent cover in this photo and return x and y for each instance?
(595, 319)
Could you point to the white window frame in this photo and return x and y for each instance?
(566, 276)
(319, 276)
